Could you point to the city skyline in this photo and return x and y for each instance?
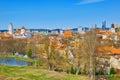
(58, 13)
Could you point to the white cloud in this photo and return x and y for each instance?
(89, 1)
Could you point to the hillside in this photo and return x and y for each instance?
(33, 73)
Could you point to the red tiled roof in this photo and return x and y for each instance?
(109, 49)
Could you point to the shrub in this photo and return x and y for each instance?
(112, 71)
(29, 54)
(73, 70)
(68, 71)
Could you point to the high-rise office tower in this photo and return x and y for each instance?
(104, 25)
(10, 28)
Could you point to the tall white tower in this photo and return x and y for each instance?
(10, 28)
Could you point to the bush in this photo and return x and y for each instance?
(112, 71)
(68, 71)
(73, 70)
(58, 69)
(29, 54)
(100, 72)
(36, 63)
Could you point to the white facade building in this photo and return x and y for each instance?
(10, 28)
(80, 30)
(112, 30)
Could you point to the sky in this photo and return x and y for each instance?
(63, 14)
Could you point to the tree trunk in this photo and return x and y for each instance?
(78, 70)
(92, 76)
(50, 66)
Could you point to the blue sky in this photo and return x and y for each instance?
(58, 13)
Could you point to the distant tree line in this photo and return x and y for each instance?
(13, 45)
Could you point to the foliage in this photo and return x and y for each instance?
(36, 63)
(29, 54)
(73, 70)
(112, 71)
(13, 45)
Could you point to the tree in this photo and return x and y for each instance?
(29, 54)
(48, 52)
(80, 59)
(6, 45)
(90, 45)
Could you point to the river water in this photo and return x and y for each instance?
(13, 62)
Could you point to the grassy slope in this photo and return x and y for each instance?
(32, 73)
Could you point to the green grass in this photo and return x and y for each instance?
(114, 77)
(33, 73)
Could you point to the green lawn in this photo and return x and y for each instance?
(114, 77)
(33, 73)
